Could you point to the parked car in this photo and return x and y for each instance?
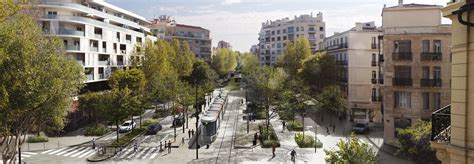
(360, 128)
(127, 126)
(153, 129)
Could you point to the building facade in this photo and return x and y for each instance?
(224, 44)
(356, 50)
(198, 38)
(99, 35)
(274, 35)
(417, 65)
(453, 126)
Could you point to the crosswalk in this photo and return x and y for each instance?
(23, 156)
(73, 152)
(141, 153)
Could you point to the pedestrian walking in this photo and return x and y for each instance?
(161, 148)
(93, 143)
(189, 133)
(169, 146)
(284, 125)
(293, 155)
(192, 132)
(334, 128)
(166, 144)
(327, 130)
(273, 150)
(135, 147)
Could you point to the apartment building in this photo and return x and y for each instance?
(224, 44)
(99, 35)
(452, 134)
(417, 65)
(198, 38)
(254, 49)
(274, 35)
(356, 50)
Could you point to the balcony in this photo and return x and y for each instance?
(90, 77)
(402, 82)
(377, 99)
(341, 62)
(101, 76)
(374, 63)
(94, 49)
(373, 46)
(98, 36)
(339, 46)
(431, 56)
(374, 81)
(104, 62)
(431, 82)
(80, 62)
(72, 47)
(441, 125)
(402, 56)
(120, 62)
(104, 50)
(63, 31)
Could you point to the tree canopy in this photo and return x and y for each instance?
(415, 143)
(294, 54)
(224, 61)
(351, 151)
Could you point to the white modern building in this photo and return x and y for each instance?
(356, 50)
(274, 35)
(99, 35)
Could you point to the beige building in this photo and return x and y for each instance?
(223, 44)
(274, 35)
(453, 126)
(356, 50)
(198, 38)
(417, 65)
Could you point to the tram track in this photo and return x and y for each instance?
(232, 108)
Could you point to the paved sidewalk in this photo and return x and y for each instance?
(57, 142)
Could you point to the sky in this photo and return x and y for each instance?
(239, 21)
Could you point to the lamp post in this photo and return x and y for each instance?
(197, 118)
(248, 116)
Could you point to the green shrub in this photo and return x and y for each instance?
(149, 122)
(268, 138)
(96, 131)
(294, 126)
(307, 142)
(36, 139)
(261, 116)
(125, 140)
(286, 115)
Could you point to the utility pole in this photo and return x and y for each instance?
(197, 119)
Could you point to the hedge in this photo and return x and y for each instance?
(307, 142)
(125, 140)
(36, 139)
(294, 126)
(96, 131)
(268, 139)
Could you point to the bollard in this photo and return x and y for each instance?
(58, 144)
(44, 146)
(28, 146)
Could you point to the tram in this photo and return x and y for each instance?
(211, 119)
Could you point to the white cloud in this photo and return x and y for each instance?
(230, 2)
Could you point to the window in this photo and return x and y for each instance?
(278, 31)
(374, 92)
(311, 28)
(374, 75)
(402, 46)
(284, 31)
(374, 57)
(284, 37)
(436, 72)
(437, 46)
(321, 28)
(426, 72)
(436, 100)
(401, 123)
(403, 72)
(52, 13)
(273, 32)
(291, 29)
(402, 100)
(297, 28)
(426, 101)
(321, 36)
(302, 28)
(425, 46)
(374, 40)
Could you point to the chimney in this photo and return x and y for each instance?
(400, 3)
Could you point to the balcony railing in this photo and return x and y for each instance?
(377, 99)
(63, 31)
(101, 76)
(341, 62)
(402, 81)
(339, 46)
(374, 63)
(374, 81)
(80, 62)
(381, 81)
(381, 58)
(373, 46)
(431, 56)
(94, 49)
(98, 36)
(431, 82)
(104, 62)
(72, 47)
(402, 56)
(441, 125)
(119, 62)
(90, 77)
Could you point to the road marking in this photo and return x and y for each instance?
(141, 152)
(148, 153)
(81, 152)
(47, 151)
(72, 152)
(154, 154)
(67, 150)
(24, 155)
(125, 152)
(87, 154)
(30, 153)
(56, 151)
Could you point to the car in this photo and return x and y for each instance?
(360, 128)
(153, 129)
(127, 126)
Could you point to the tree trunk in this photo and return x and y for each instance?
(302, 116)
(10, 146)
(117, 124)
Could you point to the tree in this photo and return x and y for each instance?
(249, 64)
(351, 151)
(293, 55)
(319, 71)
(332, 99)
(415, 143)
(224, 62)
(119, 104)
(37, 80)
(183, 61)
(91, 103)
